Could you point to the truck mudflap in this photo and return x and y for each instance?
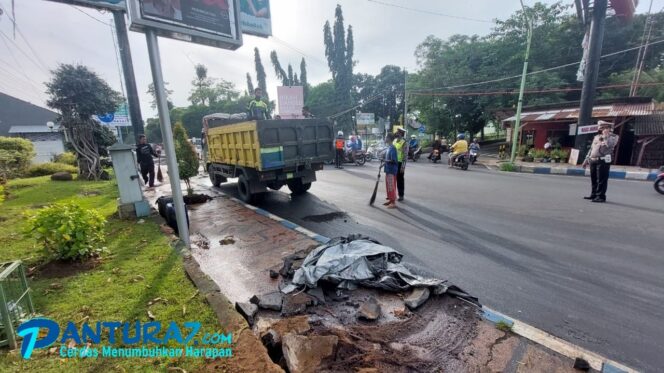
(282, 176)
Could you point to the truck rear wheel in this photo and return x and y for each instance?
(244, 189)
(215, 178)
(297, 187)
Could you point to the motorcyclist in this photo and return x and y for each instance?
(459, 147)
(339, 145)
(413, 143)
(437, 148)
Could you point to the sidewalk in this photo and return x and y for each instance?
(617, 172)
(236, 246)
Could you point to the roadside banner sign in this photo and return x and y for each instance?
(290, 101)
(99, 4)
(120, 118)
(585, 130)
(209, 22)
(255, 17)
(365, 118)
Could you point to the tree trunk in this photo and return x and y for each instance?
(82, 139)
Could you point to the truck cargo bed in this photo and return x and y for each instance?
(271, 144)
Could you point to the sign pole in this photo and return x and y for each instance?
(134, 106)
(167, 134)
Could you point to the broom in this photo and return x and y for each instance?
(373, 196)
(160, 177)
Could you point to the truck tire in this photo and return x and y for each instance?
(244, 189)
(297, 187)
(215, 178)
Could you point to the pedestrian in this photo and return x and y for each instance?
(257, 107)
(391, 169)
(340, 147)
(599, 159)
(402, 155)
(144, 154)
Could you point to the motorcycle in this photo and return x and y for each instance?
(473, 156)
(358, 157)
(414, 154)
(375, 152)
(659, 183)
(435, 156)
(461, 161)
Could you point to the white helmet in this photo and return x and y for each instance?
(340, 133)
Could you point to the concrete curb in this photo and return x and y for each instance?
(520, 328)
(575, 171)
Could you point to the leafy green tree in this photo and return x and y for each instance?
(339, 52)
(78, 93)
(203, 92)
(250, 84)
(186, 155)
(153, 131)
(260, 73)
(168, 92)
(321, 99)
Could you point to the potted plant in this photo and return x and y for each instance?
(528, 157)
(556, 155)
(540, 155)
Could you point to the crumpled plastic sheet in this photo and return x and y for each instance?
(350, 262)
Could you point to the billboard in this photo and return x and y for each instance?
(118, 119)
(209, 22)
(255, 17)
(290, 101)
(103, 4)
(365, 118)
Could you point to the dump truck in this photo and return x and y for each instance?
(264, 154)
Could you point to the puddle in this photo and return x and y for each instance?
(322, 218)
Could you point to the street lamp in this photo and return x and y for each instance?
(519, 106)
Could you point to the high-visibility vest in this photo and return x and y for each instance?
(399, 144)
(340, 143)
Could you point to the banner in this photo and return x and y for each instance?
(208, 22)
(120, 118)
(365, 118)
(290, 101)
(98, 4)
(255, 17)
(586, 130)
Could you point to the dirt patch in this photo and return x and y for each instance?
(62, 268)
(326, 217)
(430, 340)
(194, 199)
(249, 355)
(90, 193)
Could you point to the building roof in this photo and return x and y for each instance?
(31, 129)
(15, 112)
(649, 125)
(600, 111)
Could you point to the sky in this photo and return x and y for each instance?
(383, 34)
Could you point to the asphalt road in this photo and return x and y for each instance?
(526, 245)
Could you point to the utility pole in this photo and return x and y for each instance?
(519, 106)
(405, 98)
(167, 134)
(133, 104)
(592, 71)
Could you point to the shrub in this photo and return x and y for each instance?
(15, 156)
(50, 168)
(68, 231)
(186, 155)
(66, 158)
(508, 167)
(2, 193)
(540, 153)
(563, 154)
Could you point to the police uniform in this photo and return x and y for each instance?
(402, 155)
(599, 159)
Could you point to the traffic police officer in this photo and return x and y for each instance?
(599, 159)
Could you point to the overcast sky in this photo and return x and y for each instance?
(384, 34)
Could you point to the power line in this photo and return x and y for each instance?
(288, 45)
(547, 90)
(23, 52)
(90, 15)
(431, 12)
(27, 42)
(531, 73)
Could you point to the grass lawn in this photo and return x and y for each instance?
(140, 266)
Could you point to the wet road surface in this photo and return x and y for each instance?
(526, 245)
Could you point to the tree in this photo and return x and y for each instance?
(260, 73)
(303, 78)
(250, 84)
(321, 99)
(168, 92)
(186, 156)
(78, 93)
(279, 71)
(153, 131)
(203, 92)
(339, 53)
